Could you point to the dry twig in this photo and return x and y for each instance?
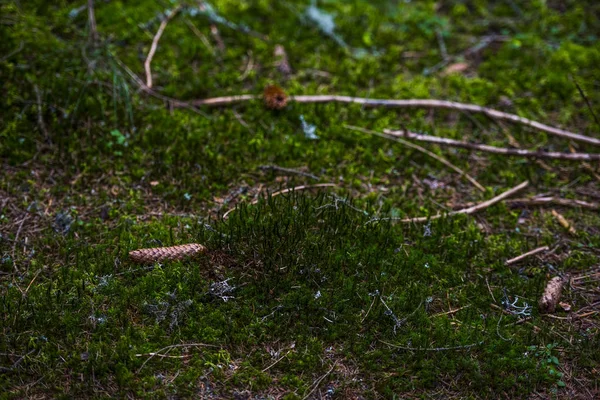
(424, 151)
(468, 346)
(525, 255)
(543, 201)
(564, 222)
(450, 105)
(316, 384)
(288, 170)
(492, 149)
(159, 33)
(92, 21)
(468, 211)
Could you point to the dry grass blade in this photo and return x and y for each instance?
(424, 151)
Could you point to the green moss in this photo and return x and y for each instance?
(320, 288)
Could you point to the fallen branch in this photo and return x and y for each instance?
(166, 351)
(468, 346)
(92, 21)
(424, 151)
(492, 149)
(316, 383)
(564, 222)
(544, 201)
(451, 105)
(525, 255)
(468, 211)
(159, 33)
(409, 103)
(552, 294)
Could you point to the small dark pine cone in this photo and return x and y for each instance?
(275, 97)
(158, 254)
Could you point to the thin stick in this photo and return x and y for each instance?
(162, 355)
(15, 243)
(169, 348)
(41, 123)
(172, 102)
(468, 346)
(92, 21)
(297, 188)
(288, 170)
(587, 101)
(525, 255)
(492, 149)
(279, 359)
(424, 151)
(451, 311)
(318, 381)
(159, 33)
(412, 103)
(451, 105)
(284, 191)
(468, 211)
(543, 201)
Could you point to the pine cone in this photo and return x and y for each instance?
(158, 254)
(552, 294)
(275, 97)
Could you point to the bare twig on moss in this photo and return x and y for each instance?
(298, 188)
(424, 151)
(564, 222)
(154, 45)
(15, 243)
(425, 103)
(316, 383)
(525, 255)
(492, 149)
(451, 105)
(544, 201)
(214, 30)
(277, 361)
(587, 101)
(41, 123)
(465, 347)
(284, 191)
(165, 351)
(151, 92)
(92, 21)
(288, 170)
(467, 211)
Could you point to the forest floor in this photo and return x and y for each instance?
(319, 279)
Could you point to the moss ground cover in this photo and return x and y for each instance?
(312, 293)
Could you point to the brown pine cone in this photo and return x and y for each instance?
(159, 254)
(275, 97)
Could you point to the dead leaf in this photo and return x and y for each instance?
(456, 68)
(565, 306)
